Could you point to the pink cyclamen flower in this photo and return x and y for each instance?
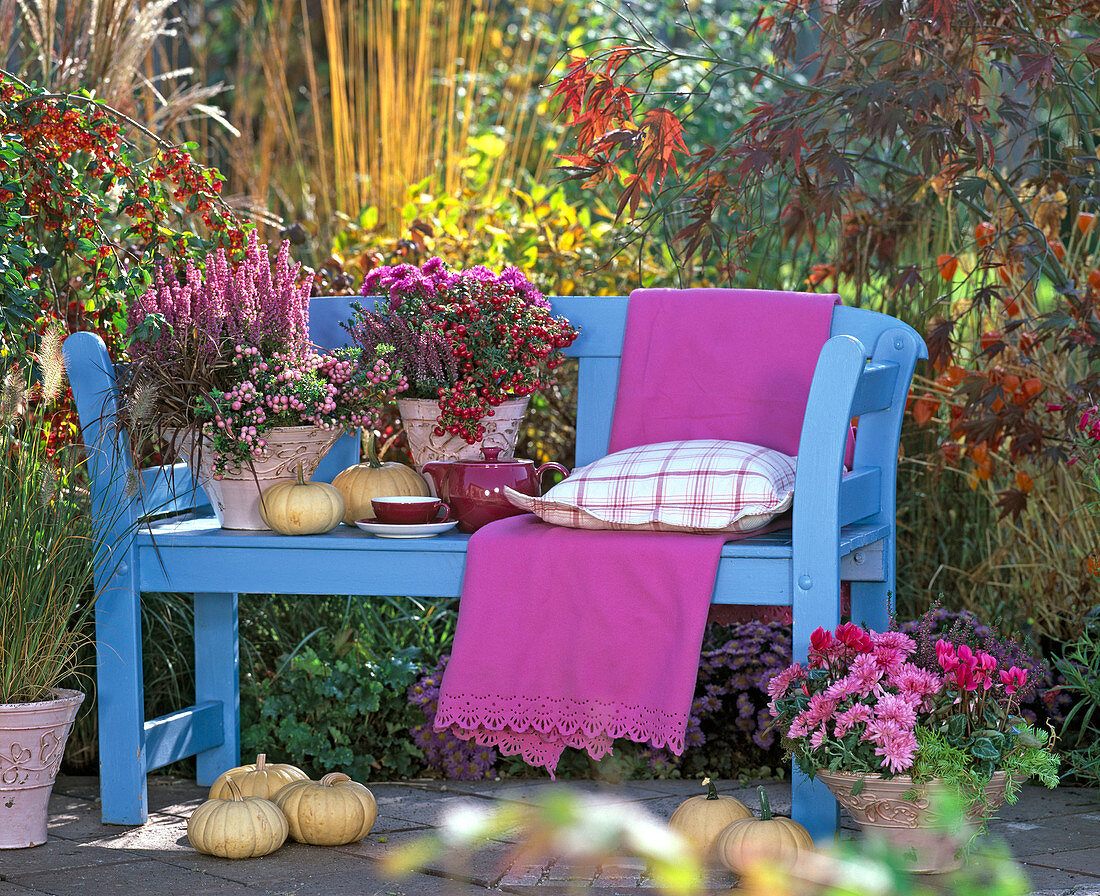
(853, 637)
(946, 655)
(820, 639)
(1013, 679)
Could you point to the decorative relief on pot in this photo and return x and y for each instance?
(420, 418)
(884, 812)
(32, 742)
(19, 764)
(904, 813)
(235, 495)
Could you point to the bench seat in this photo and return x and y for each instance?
(204, 557)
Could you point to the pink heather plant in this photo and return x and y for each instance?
(864, 705)
(227, 349)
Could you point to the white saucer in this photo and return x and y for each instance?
(405, 530)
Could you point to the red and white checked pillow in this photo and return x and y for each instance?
(700, 486)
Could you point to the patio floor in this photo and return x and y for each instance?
(1056, 835)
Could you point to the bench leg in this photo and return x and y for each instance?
(121, 700)
(813, 807)
(816, 603)
(872, 605)
(217, 678)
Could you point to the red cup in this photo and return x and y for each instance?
(409, 510)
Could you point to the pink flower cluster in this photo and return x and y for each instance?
(861, 695)
(245, 302)
(290, 389)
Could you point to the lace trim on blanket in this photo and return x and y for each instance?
(540, 728)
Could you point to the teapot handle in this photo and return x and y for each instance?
(550, 466)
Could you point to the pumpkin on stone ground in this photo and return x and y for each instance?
(259, 779)
(701, 819)
(237, 828)
(373, 479)
(330, 812)
(302, 508)
(749, 841)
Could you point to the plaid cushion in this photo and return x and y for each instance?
(702, 486)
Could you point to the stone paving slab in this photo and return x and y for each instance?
(1055, 835)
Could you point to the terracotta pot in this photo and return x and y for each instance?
(882, 807)
(32, 742)
(420, 416)
(236, 496)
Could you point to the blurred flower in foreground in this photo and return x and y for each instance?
(584, 832)
(579, 830)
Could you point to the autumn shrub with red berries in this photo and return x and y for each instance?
(90, 202)
(470, 339)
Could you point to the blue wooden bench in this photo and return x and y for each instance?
(843, 529)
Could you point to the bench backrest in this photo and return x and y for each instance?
(602, 323)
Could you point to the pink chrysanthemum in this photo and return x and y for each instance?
(888, 658)
(777, 686)
(865, 675)
(820, 710)
(915, 684)
(898, 750)
(894, 640)
(855, 714)
(895, 708)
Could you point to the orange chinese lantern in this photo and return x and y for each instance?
(1024, 482)
(1085, 221)
(984, 233)
(1094, 279)
(1057, 248)
(947, 265)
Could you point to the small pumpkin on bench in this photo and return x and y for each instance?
(330, 812)
(302, 508)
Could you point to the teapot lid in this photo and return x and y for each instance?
(490, 454)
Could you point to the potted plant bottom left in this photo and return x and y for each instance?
(46, 566)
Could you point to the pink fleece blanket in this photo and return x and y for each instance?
(573, 638)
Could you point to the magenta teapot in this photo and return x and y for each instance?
(474, 489)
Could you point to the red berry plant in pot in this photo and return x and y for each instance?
(470, 339)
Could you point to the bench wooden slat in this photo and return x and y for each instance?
(859, 495)
(875, 390)
(184, 733)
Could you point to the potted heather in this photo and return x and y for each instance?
(890, 728)
(473, 345)
(222, 369)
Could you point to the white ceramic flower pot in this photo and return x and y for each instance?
(420, 418)
(236, 495)
(32, 742)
